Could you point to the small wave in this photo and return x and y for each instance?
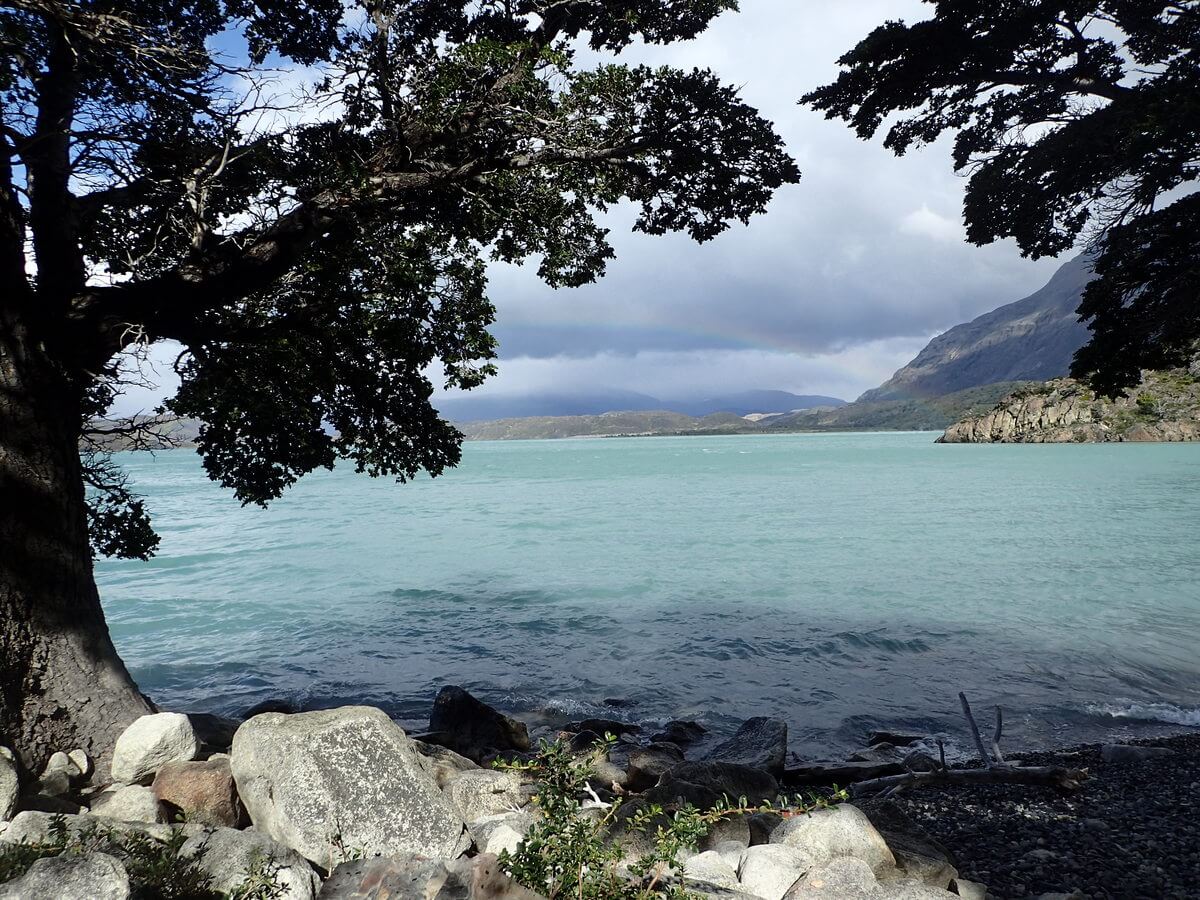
(1147, 712)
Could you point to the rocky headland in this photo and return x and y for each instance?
(1164, 406)
(342, 803)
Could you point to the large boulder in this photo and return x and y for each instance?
(151, 742)
(95, 876)
(501, 832)
(703, 783)
(769, 870)
(711, 867)
(129, 803)
(486, 792)
(471, 727)
(852, 879)
(226, 855)
(348, 777)
(417, 878)
(827, 834)
(918, 853)
(10, 784)
(760, 742)
(199, 792)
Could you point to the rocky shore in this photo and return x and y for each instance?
(339, 804)
(1165, 406)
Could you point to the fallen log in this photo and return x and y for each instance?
(1057, 777)
(995, 769)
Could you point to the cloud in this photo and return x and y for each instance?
(926, 222)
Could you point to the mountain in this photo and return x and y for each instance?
(1030, 340)
(909, 414)
(747, 402)
(462, 408)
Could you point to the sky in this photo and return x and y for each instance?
(844, 279)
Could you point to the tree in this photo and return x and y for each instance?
(317, 263)
(1076, 120)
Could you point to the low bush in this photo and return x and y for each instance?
(571, 850)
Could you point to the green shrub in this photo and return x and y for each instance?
(570, 851)
(157, 869)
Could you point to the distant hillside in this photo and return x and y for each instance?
(610, 424)
(1030, 340)
(161, 433)
(1165, 406)
(933, 414)
(747, 402)
(471, 408)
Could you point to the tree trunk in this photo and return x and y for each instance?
(62, 685)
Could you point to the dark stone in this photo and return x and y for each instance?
(761, 742)
(584, 741)
(891, 737)
(472, 728)
(681, 732)
(647, 764)
(275, 704)
(841, 775)
(602, 726)
(215, 732)
(704, 783)
(761, 825)
(48, 804)
(619, 702)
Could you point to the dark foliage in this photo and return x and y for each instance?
(323, 264)
(1076, 121)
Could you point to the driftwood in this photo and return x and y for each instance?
(995, 769)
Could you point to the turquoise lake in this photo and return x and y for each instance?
(840, 581)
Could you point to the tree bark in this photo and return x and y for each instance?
(62, 685)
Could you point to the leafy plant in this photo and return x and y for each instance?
(571, 850)
(158, 869)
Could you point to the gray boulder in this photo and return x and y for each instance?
(501, 832)
(96, 876)
(647, 764)
(10, 784)
(56, 783)
(130, 803)
(840, 831)
(151, 742)
(769, 870)
(348, 775)
(472, 728)
(486, 792)
(761, 743)
(228, 856)
(711, 867)
(417, 878)
(852, 879)
(1128, 753)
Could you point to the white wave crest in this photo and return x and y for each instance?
(1147, 712)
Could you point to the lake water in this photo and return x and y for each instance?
(839, 581)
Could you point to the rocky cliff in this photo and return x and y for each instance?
(1030, 340)
(1165, 406)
